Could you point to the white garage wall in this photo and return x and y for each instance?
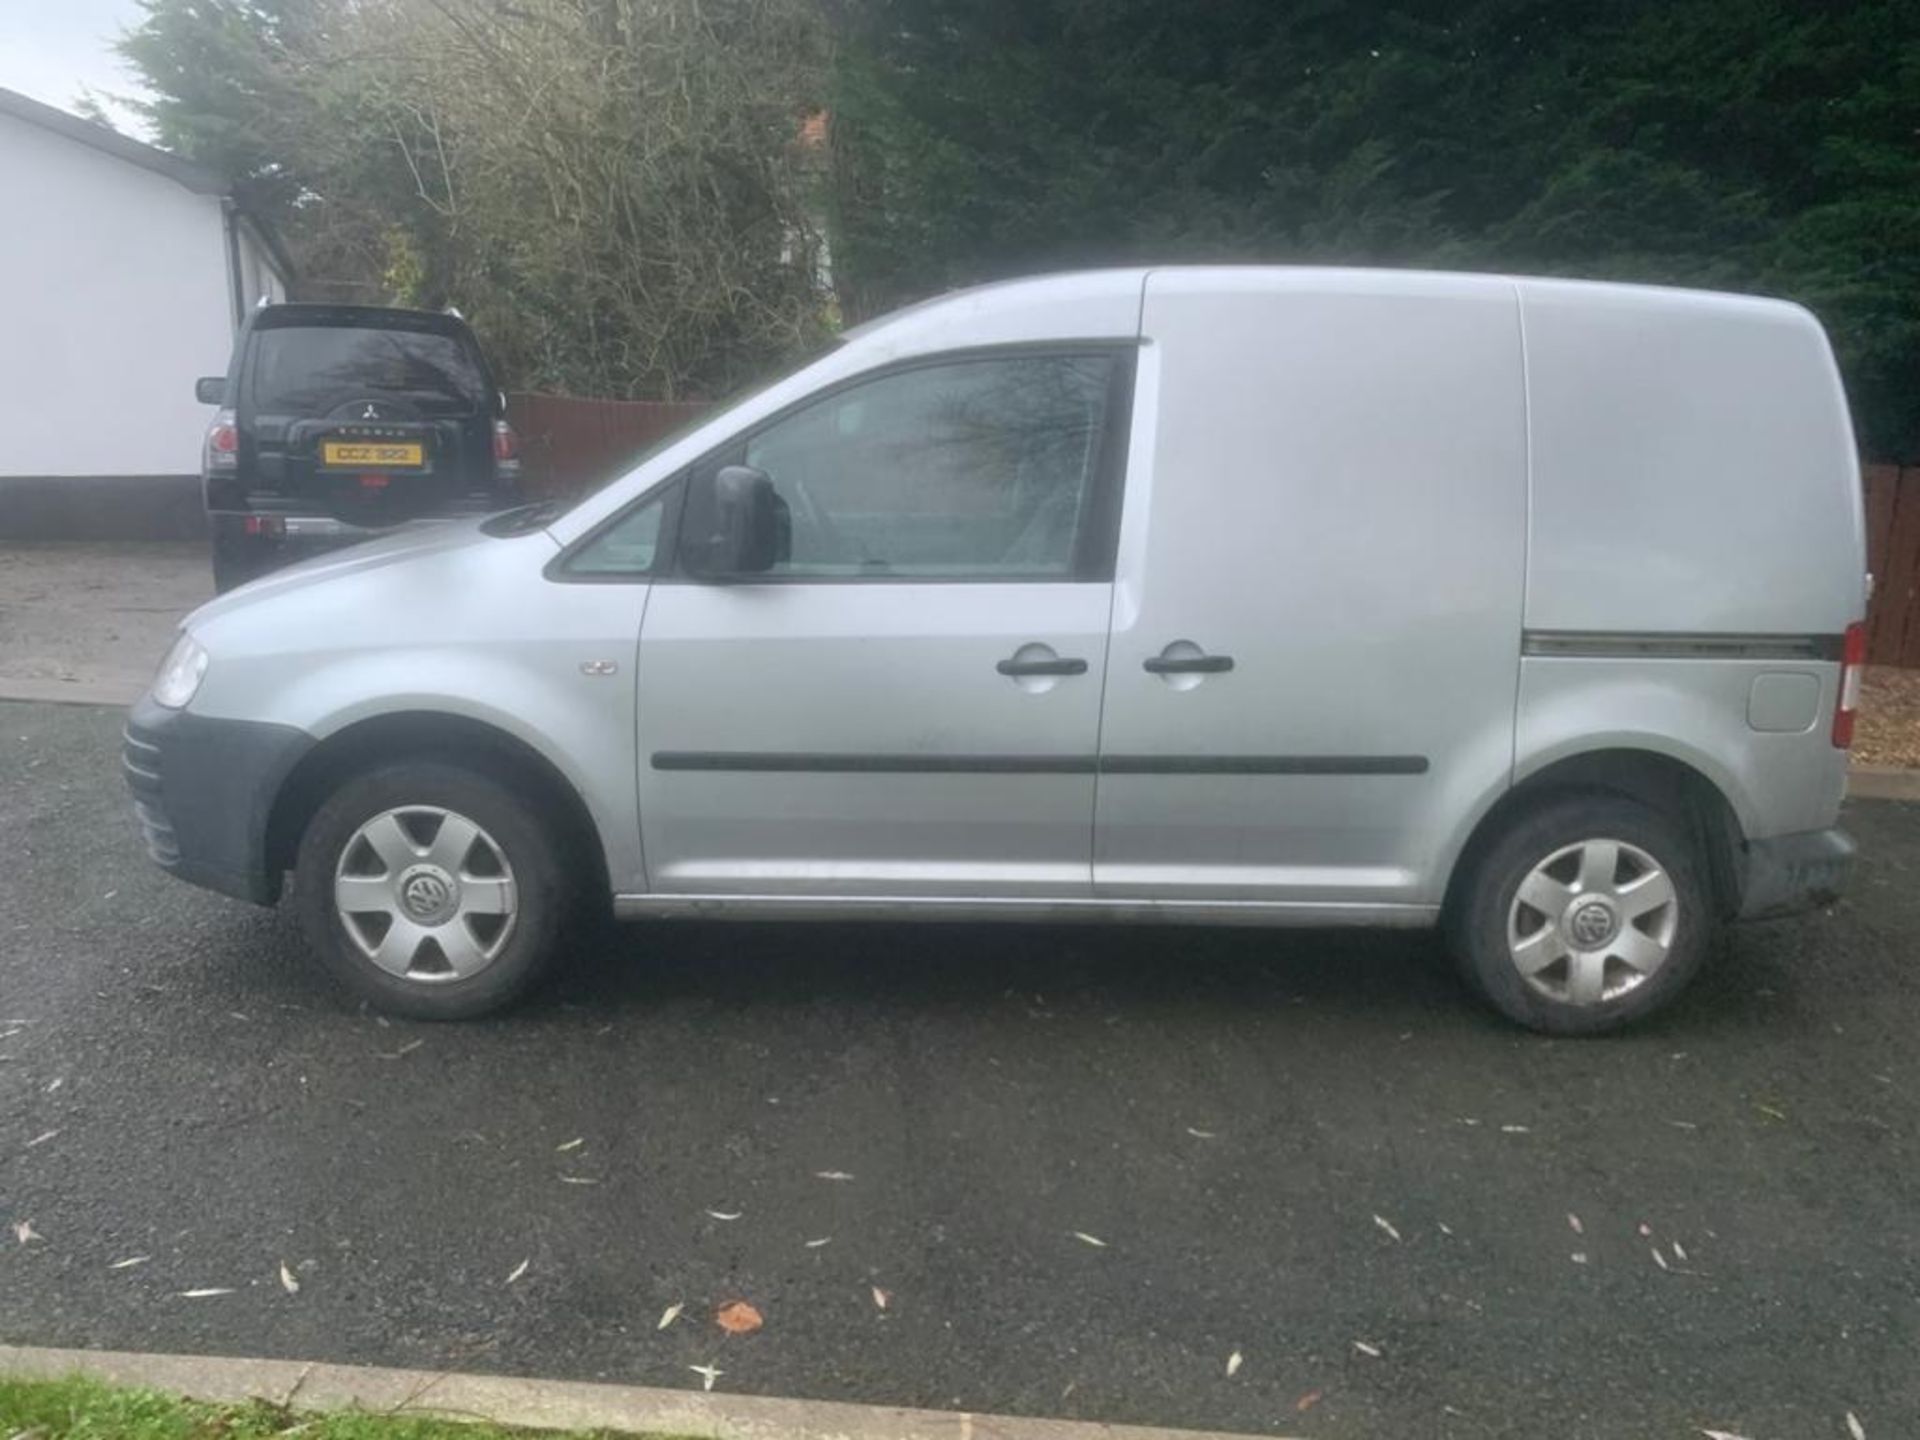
(116, 299)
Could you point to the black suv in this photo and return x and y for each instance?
(340, 421)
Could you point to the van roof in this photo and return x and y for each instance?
(1001, 297)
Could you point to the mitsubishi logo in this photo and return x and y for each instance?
(372, 412)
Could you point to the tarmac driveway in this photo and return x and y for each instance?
(1081, 1168)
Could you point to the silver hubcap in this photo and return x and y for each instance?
(1592, 922)
(425, 894)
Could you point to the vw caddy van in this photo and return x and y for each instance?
(1527, 609)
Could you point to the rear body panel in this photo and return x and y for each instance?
(1697, 541)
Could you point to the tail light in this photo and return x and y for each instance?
(1853, 659)
(506, 444)
(222, 450)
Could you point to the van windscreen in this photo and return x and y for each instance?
(308, 369)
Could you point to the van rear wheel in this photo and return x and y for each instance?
(431, 891)
(1585, 915)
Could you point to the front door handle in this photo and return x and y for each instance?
(1187, 664)
(1049, 666)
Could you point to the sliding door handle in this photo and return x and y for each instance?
(1053, 666)
(1187, 664)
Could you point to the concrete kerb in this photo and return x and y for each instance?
(1883, 782)
(548, 1404)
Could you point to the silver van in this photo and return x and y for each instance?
(1256, 596)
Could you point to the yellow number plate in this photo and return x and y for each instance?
(338, 452)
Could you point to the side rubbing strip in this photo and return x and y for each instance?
(1653, 645)
(1263, 764)
(873, 764)
(790, 763)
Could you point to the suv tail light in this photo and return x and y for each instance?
(1853, 658)
(506, 444)
(222, 450)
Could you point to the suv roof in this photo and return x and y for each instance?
(364, 317)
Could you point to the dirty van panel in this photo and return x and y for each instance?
(1694, 470)
(1333, 506)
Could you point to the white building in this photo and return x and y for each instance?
(126, 271)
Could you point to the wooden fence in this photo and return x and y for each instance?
(572, 446)
(1893, 555)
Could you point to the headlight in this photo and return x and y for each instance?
(180, 673)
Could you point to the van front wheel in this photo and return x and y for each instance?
(431, 891)
(1584, 915)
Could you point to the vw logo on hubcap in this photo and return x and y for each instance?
(1591, 925)
(427, 894)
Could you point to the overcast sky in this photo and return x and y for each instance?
(54, 49)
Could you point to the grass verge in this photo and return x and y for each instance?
(83, 1409)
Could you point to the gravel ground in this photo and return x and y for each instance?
(90, 622)
(1888, 729)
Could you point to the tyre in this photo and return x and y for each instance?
(1584, 915)
(237, 556)
(430, 891)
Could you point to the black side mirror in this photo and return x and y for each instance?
(211, 389)
(735, 524)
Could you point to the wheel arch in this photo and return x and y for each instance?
(1661, 781)
(431, 735)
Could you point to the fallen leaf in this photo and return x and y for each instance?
(881, 1297)
(1683, 1124)
(129, 1262)
(1445, 1229)
(737, 1317)
(205, 1293)
(578, 1180)
(56, 1083)
(573, 1144)
(708, 1374)
(725, 1215)
(1307, 1401)
(1386, 1225)
(1365, 1349)
(1093, 1240)
(24, 1232)
(1679, 1252)
(287, 1282)
(1722, 1435)
(41, 1138)
(1855, 1428)
(1233, 1363)
(670, 1314)
(403, 1051)
(1658, 1258)
(1646, 1230)
(816, 1244)
(519, 1270)
(1516, 1129)
(1771, 1112)
(1202, 1134)
(1579, 1257)
(1573, 1222)
(831, 1175)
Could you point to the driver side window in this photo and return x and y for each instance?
(982, 468)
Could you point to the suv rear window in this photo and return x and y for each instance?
(301, 369)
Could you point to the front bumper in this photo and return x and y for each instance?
(1792, 873)
(203, 790)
